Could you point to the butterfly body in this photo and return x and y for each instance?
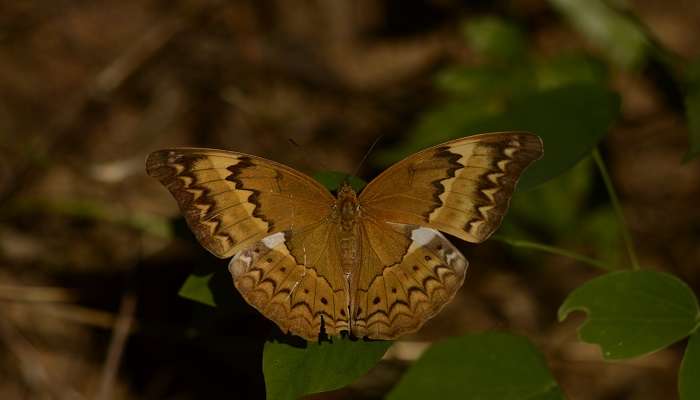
(374, 264)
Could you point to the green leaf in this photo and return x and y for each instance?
(495, 38)
(333, 179)
(486, 366)
(196, 288)
(623, 40)
(291, 372)
(632, 313)
(689, 376)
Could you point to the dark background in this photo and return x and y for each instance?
(88, 89)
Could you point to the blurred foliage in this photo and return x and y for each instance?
(623, 40)
(628, 43)
(92, 210)
(293, 370)
(486, 366)
(633, 313)
(599, 230)
(564, 100)
(689, 384)
(692, 108)
(563, 201)
(495, 39)
(563, 198)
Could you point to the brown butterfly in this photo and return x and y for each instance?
(372, 265)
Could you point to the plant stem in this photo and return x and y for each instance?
(626, 237)
(553, 250)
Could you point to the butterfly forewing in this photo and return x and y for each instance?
(461, 187)
(232, 200)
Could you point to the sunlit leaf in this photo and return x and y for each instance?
(689, 376)
(196, 288)
(487, 366)
(632, 313)
(291, 372)
(622, 39)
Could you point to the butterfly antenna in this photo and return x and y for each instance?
(300, 156)
(364, 158)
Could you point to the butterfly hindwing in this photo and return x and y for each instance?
(305, 293)
(461, 187)
(398, 297)
(232, 200)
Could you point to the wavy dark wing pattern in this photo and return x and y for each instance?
(380, 274)
(408, 274)
(462, 187)
(233, 200)
(294, 279)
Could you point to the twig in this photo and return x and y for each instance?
(29, 363)
(122, 327)
(626, 236)
(552, 250)
(40, 294)
(69, 312)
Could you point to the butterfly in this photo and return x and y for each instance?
(373, 264)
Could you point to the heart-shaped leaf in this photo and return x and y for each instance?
(632, 313)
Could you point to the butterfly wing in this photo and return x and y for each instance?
(461, 187)
(409, 271)
(294, 279)
(407, 275)
(233, 200)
